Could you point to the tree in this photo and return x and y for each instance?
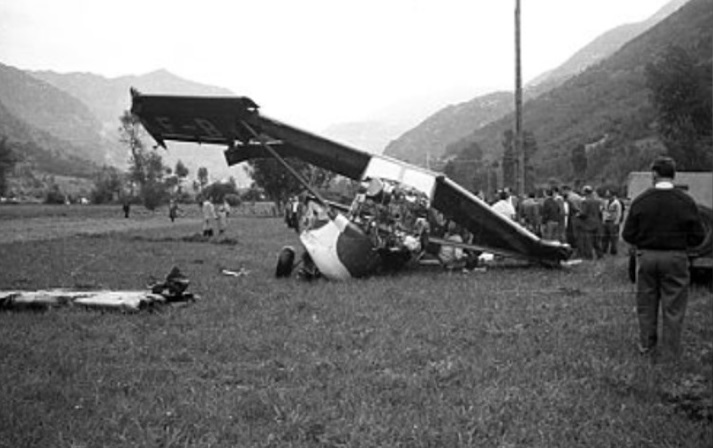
(8, 159)
(181, 170)
(278, 184)
(146, 167)
(108, 185)
(467, 168)
(530, 147)
(273, 179)
(510, 161)
(579, 161)
(681, 94)
(202, 176)
(217, 191)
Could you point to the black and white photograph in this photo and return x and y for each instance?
(397, 223)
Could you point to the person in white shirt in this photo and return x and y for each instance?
(223, 212)
(612, 215)
(208, 217)
(504, 206)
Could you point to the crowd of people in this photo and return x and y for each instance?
(588, 220)
(662, 223)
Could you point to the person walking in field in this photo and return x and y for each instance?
(222, 219)
(126, 208)
(662, 223)
(173, 210)
(209, 217)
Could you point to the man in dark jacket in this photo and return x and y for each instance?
(590, 219)
(662, 223)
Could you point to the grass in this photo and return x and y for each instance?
(511, 357)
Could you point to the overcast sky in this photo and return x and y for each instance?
(310, 62)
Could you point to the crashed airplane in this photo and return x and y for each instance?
(385, 226)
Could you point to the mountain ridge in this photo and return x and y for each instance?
(608, 99)
(416, 144)
(108, 98)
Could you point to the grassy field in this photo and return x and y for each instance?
(510, 357)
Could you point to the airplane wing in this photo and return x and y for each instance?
(229, 120)
(236, 123)
(490, 229)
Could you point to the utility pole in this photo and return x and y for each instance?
(519, 144)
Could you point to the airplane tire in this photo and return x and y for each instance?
(285, 262)
(706, 247)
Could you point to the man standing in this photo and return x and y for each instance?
(573, 203)
(530, 214)
(611, 216)
(504, 205)
(222, 217)
(591, 222)
(208, 217)
(662, 223)
(551, 217)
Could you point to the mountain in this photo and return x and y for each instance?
(424, 139)
(369, 135)
(608, 103)
(426, 142)
(599, 49)
(384, 125)
(108, 98)
(49, 116)
(37, 148)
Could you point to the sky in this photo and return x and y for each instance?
(311, 63)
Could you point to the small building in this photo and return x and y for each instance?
(699, 185)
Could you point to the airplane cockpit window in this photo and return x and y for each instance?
(381, 167)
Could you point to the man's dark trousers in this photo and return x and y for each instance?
(662, 278)
(610, 238)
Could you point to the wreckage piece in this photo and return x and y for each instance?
(171, 290)
(51, 298)
(123, 300)
(236, 123)
(36, 300)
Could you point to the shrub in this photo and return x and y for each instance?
(233, 199)
(54, 195)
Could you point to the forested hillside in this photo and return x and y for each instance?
(608, 104)
(425, 143)
(600, 48)
(53, 119)
(607, 100)
(39, 150)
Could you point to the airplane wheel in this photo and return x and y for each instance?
(285, 262)
(706, 247)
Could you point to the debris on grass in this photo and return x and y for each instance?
(239, 273)
(169, 291)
